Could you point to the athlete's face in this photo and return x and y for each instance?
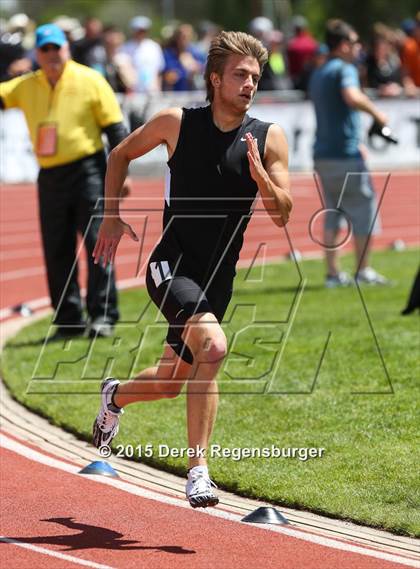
(238, 84)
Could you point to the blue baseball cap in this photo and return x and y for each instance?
(50, 33)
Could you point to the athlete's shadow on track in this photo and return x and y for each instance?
(94, 537)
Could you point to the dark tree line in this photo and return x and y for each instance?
(230, 14)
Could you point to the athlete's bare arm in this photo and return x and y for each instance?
(163, 128)
(271, 174)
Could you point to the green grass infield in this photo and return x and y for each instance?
(308, 368)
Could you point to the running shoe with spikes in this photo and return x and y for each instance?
(199, 489)
(106, 424)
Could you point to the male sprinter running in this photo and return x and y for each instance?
(219, 158)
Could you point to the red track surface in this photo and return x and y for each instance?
(114, 527)
(22, 267)
(70, 514)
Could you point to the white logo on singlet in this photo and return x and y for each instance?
(244, 139)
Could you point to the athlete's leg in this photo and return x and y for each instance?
(207, 342)
(158, 382)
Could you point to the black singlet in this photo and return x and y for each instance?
(209, 195)
(208, 201)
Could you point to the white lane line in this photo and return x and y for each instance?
(56, 554)
(22, 274)
(27, 237)
(31, 454)
(40, 268)
(303, 242)
(21, 254)
(9, 229)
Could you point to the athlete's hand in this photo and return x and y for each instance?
(256, 167)
(109, 236)
(276, 200)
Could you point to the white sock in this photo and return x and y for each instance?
(202, 469)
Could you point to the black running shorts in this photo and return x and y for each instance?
(181, 295)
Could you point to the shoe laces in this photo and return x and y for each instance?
(201, 483)
(107, 418)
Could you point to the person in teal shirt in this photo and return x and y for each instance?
(339, 157)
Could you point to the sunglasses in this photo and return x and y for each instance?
(50, 47)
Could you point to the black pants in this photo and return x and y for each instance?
(67, 201)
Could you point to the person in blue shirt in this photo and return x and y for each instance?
(183, 63)
(339, 157)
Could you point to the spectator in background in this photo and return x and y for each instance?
(66, 127)
(348, 191)
(319, 58)
(24, 28)
(182, 62)
(383, 66)
(407, 26)
(410, 58)
(71, 27)
(90, 50)
(206, 31)
(15, 41)
(119, 71)
(146, 56)
(261, 28)
(274, 75)
(300, 50)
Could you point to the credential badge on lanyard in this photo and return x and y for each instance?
(46, 140)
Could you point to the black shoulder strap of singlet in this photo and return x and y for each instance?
(181, 135)
(259, 130)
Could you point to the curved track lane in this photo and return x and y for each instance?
(54, 517)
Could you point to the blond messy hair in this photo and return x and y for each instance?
(228, 43)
